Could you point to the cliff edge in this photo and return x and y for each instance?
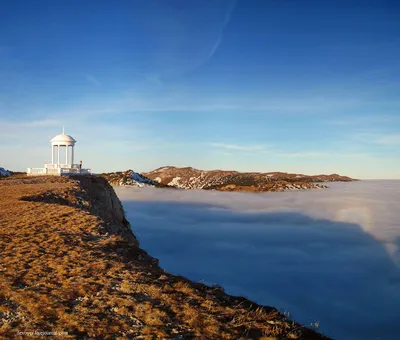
(70, 266)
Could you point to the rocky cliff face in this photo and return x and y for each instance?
(104, 202)
(190, 178)
(92, 194)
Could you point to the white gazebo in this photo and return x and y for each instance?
(58, 166)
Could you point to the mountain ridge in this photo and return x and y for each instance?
(223, 180)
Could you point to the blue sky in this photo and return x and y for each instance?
(297, 86)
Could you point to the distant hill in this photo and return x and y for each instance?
(190, 178)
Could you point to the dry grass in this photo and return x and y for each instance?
(61, 269)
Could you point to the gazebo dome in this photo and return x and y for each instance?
(63, 139)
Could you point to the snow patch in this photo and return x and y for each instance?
(141, 180)
(175, 181)
(137, 180)
(4, 172)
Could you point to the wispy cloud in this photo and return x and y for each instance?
(357, 121)
(224, 25)
(238, 147)
(24, 132)
(304, 154)
(168, 100)
(44, 123)
(154, 79)
(125, 106)
(276, 152)
(389, 140)
(322, 154)
(378, 139)
(223, 153)
(92, 79)
(11, 127)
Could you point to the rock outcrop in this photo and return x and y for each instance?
(4, 173)
(129, 178)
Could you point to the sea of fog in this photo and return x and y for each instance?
(330, 256)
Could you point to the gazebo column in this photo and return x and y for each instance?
(66, 154)
(72, 156)
(52, 154)
(58, 154)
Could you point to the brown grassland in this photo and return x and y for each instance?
(69, 263)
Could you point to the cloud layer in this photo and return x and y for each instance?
(330, 256)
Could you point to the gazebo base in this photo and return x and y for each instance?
(57, 171)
